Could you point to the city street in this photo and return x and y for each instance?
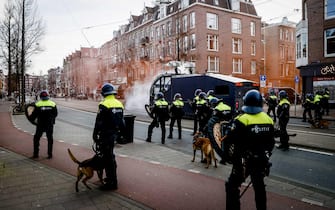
(74, 128)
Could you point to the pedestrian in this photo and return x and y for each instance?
(203, 111)
(160, 111)
(308, 105)
(194, 108)
(283, 113)
(272, 102)
(109, 125)
(252, 135)
(176, 113)
(45, 112)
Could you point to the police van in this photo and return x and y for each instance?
(230, 89)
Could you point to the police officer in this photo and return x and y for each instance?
(109, 124)
(176, 113)
(252, 135)
(194, 108)
(221, 113)
(46, 112)
(272, 102)
(317, 106)
(202, 111)
(308, 105)
(283, 113)
(160, 111)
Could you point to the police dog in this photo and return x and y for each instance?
(204, 145)
(86, 168)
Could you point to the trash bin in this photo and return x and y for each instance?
(129, 131)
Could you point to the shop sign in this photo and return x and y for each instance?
(328, 70)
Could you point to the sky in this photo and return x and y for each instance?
(71, 24)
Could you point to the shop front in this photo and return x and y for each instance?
(319, 76)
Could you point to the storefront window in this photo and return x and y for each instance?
(330, 42)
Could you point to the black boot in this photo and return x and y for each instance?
(169, 136)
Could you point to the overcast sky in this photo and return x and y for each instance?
(71, 24)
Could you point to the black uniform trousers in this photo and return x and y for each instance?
(284, 138)
(40, 129)
(173, 120)
(154, 124)
(108, 157)
(273, 110)
(256, 170)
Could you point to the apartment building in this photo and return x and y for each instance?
(216, 36)
(316, 46)
(279, 49)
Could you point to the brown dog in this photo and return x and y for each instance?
(87, 167)
(204, 145)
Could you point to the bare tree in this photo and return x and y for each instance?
(20, 34)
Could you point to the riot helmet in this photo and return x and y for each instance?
(214, 102)
(202, 95)
(197, 92)
(253, 102)
(177, 96)
(210, 93)
(282, 94)
(108, 89)
(159, 95)
(44, 95)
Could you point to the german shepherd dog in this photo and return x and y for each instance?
(204, 145)
(87, 167)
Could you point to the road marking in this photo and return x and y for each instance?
(306, 200)
(309, 150)
(155, 162)
(194, 171)
(312, 132)
(313, 151)
(61, 141)
(74, 144)
(123, 155)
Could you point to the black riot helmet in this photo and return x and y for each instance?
(108, 89)
(159, 95)
(197, 92)
(253, 102)
(177, 96)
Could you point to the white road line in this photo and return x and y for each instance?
(155, 162)
(194, 171)
(306, 200)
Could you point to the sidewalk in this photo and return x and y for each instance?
(149, 175)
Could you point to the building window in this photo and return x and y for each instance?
(212, 21)
(281, 34)
(216, 2)
(193, 43)
(253, 48)
(236, 26)
(213, 64)
(237, 45)
(163, 29)
(169, 28)
(158, 34)
(329, 9)
(192, 20)
(212, 42)
(237, 65)
(177, 26)
(252, 28)
(185, 23)
(185, 44)
(330, 42)
(253, 67)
